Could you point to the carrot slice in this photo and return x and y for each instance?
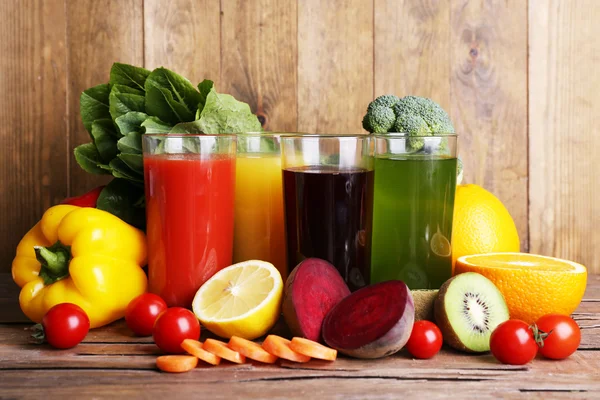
(220, 349)
(194, 347)
(280, 347)
(251, 350)
(176, 363)
(313, 349)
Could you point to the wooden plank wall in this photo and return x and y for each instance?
(518, 78)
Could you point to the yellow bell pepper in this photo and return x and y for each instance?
(83, 256)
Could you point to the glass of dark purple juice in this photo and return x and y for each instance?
(328, 191)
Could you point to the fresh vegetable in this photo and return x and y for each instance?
(141, 313)
(372, 322)
(88, 199)
(194, 348)
(220, 349)
(532, 285)
(467, 310)
(137, 101)
(313, 349)
(242, 300)
(83, 256)
(64, 326)
(481, 224)
(176, 363)
(172, 327)
(563, 336)
(280, 347)
(513, 342)
(313, 288)
(412, 115)
(425, 340)
(251, 350)
(424, 300)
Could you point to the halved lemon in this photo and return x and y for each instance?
(532, 285)
(242, 300)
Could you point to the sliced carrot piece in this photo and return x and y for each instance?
(220, 349)
(313, 349)
(280, 347)
(194, 347)
(251, 350)
(176, 363)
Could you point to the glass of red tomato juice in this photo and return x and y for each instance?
(190, 186)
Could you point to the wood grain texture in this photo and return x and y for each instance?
(99, 33)
(183, 35)
(33, 78)
(564, 85)
(489, 102)
(258, 59)
(335, 65)
(412, 49)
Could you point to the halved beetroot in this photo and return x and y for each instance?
(375, 321)
(311, 290)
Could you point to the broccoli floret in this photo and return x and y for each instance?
(413, 125)
(379, 119)
(387, 100)
(436, 117)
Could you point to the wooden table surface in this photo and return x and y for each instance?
(111, 363)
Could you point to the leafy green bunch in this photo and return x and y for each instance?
(136, 101)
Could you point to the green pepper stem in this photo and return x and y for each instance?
(55, 262)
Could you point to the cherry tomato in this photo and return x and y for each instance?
(65, 325)
(141, 313)
(172, 327)
(425, 340)
(563, 337)
(512, 342)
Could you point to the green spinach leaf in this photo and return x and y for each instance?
(131, 122)
(93, 105)
(222, 113)
(105, 139)
(153, 125)
(205, 87)
(131, 143)
(122, 170)
(160, 103)
(88, 158)
(128, 75)
(122, 103)
(170, 96)
(133, 161)
(124, 200)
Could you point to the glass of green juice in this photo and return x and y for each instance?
(413, 205)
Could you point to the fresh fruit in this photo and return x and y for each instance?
(141, 313)
(313, 288)
(194, 348)
(513, 342)
(280, 347)
(313, 349)
(176, 363)
(563, 337)
(425, 340)
(372, 322)
(481, 224)
(65, 325)
(220, 349)
(251, 350)
(467, 310)
(424, 300)
(532, 285)
(242, 300)
(172, 327)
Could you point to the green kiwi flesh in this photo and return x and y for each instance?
(424, 300)
(467, 310)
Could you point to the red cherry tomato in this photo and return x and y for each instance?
(172, 327)
(65, 325)
(512, 342)
(563, 337)
(141, 313)
(425, 340)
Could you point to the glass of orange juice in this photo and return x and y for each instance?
(259, 231)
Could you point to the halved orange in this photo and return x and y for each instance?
(532, 285)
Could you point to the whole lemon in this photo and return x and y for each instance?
(481, 224)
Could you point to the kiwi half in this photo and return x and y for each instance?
(424, 300)
(468, 309)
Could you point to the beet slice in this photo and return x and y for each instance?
(373, 322)
(313, 288)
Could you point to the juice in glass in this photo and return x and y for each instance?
(412, 217)
(259, 232)
(189, 203)
(329, 202)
